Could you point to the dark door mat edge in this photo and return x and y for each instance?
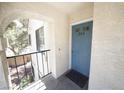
(77, 78)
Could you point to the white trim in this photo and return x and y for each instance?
(83, 21)
(70, 37)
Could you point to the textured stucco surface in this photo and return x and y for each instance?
(107, 62)
(85, 12)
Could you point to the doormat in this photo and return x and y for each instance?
(77, 78)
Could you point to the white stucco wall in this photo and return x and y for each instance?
(4, 82)
(58, 29)
(85, 12)
(62, 46)
(107, 62)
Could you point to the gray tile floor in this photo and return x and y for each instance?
(50, 83)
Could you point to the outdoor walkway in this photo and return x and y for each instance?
(50, 83)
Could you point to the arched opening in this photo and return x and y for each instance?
(36, 39)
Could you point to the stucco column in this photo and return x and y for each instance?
(4, 84)
(33, 49)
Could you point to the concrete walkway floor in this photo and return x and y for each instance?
(50, 83)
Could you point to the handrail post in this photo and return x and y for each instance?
(47, 62)
(16, 68)
(42, 63)
(38, 65)
(32, 66)
(24, 66)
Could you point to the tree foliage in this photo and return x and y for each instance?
(17, 35)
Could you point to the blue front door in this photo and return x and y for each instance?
(81, 47)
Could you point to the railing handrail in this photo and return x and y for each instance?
(29, 53)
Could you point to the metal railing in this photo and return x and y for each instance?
(23, 68)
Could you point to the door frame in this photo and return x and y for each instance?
(70, 38)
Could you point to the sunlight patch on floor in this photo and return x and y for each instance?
(36, 86)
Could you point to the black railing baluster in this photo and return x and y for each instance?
(38, 66)
(47, 62)
(42, 63)
(16, 68)
(24, 66)
(32, 65)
